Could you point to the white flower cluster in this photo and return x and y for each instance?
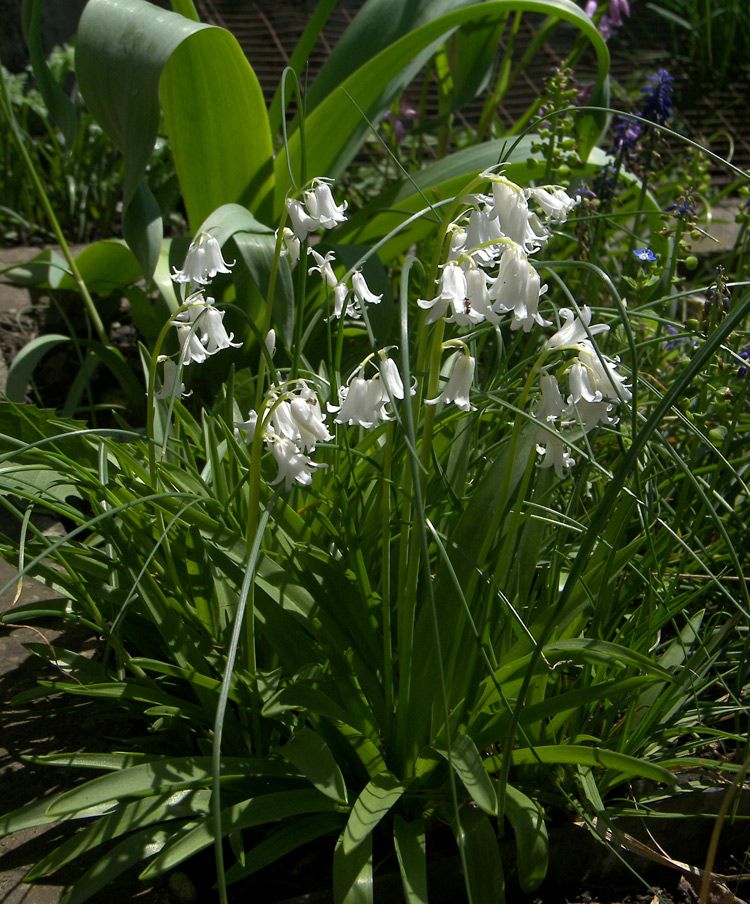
(364, 401)
(318, 210)
(594, 387)
(295, 424)
(488, 273)
(200, 326)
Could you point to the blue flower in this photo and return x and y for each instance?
(645, 254)
(658, 104)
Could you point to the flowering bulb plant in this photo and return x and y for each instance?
(392, 581)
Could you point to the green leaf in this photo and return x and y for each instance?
(272, 807)
(310, 754)
(376, 799)
(59, 104)
(123, 819)
(217, 124)
(586, 756)
(468, 766)
(158, 777)
(409, 841)
(45, 270)
(24, 364)
(120, 858)
(288, 837)
(352, 873)
(532, 841)
(329, 152)
(484, 869)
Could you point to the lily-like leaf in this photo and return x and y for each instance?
(468, 766)
(376, 799)
(532, 841)
(310, 754)
(409, 841)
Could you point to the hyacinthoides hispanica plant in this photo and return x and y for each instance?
(396, 582)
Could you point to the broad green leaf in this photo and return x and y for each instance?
(123, 819)
(25, 363)
(484, 869)
(121, 48)
(352, 873)
(586, 756)
(272, 807)
(468, 766)
(409, 841)
(45, 269)
(363, 90)
(377, 797)
(35, 814)
(217, 124)
(60, 106)
(532, 841)
(310, 754)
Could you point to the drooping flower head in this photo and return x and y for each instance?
(458, 387)
(202, 262)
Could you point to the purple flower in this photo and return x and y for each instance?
(645, 254)
(405, 112)
(658, 104)
(627, 132)
(681, 210)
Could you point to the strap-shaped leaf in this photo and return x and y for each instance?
(532, 841)
(311, 755)
(26, 361)
(409, 840)
(376, 799)
(484, 869)
(124, 819)
(469, 767)
(328, 153)
(272, 807)
(352, 873)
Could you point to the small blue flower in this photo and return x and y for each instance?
(645, 254)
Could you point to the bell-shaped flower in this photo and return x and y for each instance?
(202, 262)
(483, 238)
(580, 384)
(555, 202)
(294, 466)
(191, 349)
(323, 266)
(291, 247)
(556, 455)
(603, 374)
(590, 414)
(391, 377)
(171, 385)
(517, 288)
(215, 337)
(362, 402)
(305, 411)
(246, 429)
(551, 406)
(322, 207)
(576, 329)
(511, 208)
(302, 222)
(362, 290)
(452, 292)
(458, 387)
